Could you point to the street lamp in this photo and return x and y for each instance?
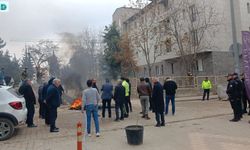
(234, 34)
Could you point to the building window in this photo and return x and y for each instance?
(199, 65)
(157, 71)
(195, 39)
(248, 8)
(162, 69)
(193, 13)
(172, 68)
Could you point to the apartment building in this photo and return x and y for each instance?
(183, 36)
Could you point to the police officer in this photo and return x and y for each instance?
(234, 91)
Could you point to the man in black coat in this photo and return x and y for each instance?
(119, 97)
(53, 102)
(30, 100)
(41, 101)
(234, 91)
(245, 99)
(44, 95)
(158, 101)
(170, 88)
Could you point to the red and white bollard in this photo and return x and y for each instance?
(79, 136)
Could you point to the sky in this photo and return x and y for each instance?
(31, 20)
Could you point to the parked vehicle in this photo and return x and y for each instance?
(13, 111)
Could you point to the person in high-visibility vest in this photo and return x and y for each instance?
(206, 86)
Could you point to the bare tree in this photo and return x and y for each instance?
(146, 36)
(40, 53)
(190, 26)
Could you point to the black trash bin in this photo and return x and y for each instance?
(134, 134)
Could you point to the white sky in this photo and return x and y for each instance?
(31, 20)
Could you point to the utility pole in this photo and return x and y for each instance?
(234, 34)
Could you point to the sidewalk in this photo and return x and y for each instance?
(197, 125)
(194, 98)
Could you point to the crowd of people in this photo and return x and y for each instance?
(49, 98)
(151, 97)
(237, 96)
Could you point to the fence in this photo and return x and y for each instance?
(186, 82)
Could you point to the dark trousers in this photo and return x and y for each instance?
(41, 109)
(130, 104)
(150, 103)
(30, 114)
(159, 117)
(47, 112)
(126, 103)
(237, 108)
(106, 102)
(119, 107)
(172, 99)
(206, 92)
(244, 101)
(52, 117)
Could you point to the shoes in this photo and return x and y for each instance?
(126, 116)
(143, 116)
(97, 134)
(32, 126)
(163, 124)
(158, 125)
(235, 120)
(140, 112)
(121, 118)
(147, 117)
(89, 135)
(54, 130)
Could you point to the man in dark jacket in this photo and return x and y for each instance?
(144, 92)
(151, 89)
(158, 101)
(170, 88)
(129, 98)
(107, 95)
(41, 101)
(30, 100)
(234, 90)
(245, 99)
(46, 109)
(53, 102)
(119, 97)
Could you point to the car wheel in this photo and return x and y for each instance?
(6, 129)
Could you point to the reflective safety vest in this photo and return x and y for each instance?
(206, 85)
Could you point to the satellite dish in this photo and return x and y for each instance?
(231, 49)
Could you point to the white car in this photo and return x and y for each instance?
(13, 111)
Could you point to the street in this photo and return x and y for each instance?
(195, 126)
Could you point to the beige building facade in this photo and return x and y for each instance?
(207, 28)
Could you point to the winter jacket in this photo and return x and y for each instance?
(170, 87)
(107, 90)
(53, 96)
(119, 94)
(157, 98)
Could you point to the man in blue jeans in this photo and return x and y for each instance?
(170, 88)
(91, 99)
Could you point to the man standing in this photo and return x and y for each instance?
(170, 88)
(206, 86)
(24, 74)
(30, 100)
(129, 99)
(144, 92)
(150, 96)
(158, 101)
(107, 95)
(119, 97)
(41, 101)
(53, 102)
(91, 99)
(245, 99)
(126, 86)
(234, 95)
